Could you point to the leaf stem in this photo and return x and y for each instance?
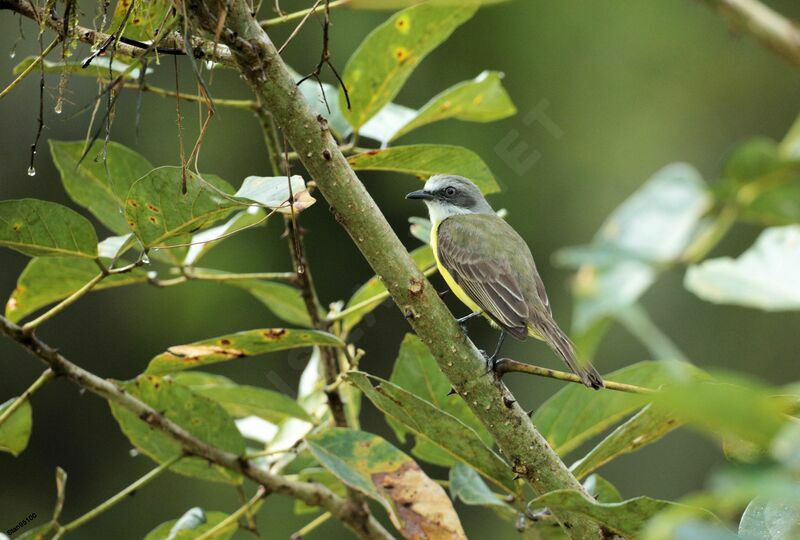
(310, 526)
(507, 365)
(709, 238)
(210, 276)
(289, 17)
(46, 376)
(30, 326)
(30, 68)
(111, 502)
(233, 518)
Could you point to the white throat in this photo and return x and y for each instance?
(440, 211)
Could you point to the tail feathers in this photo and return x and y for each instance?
(562, 346)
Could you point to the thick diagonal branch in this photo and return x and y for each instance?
(351, 514)
(261, 65)
(772, 29)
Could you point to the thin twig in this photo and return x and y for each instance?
(289, 17)
(64, 304)
(48, 375)
(234, 517)
(27, 70)
(507, 365)
(247, 104)
(310, 526)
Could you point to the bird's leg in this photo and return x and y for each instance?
(462, 322)
(491, 361)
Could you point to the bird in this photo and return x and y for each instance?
(490, 268)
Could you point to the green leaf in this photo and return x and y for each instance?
(601, 489)
(626, 518)
(99, 68)
(645, 427)
(144, 20)
(417, 505)
(750, 161)
(380, 66)
(16, 430)
(437, 427)
(426, 160)
(576, 413)
(98, 186)
(763, 277)
(200, 416)
(46, 229)
(372, 293)
(321, 476)
(239, 345)
(285, 301)
(193, 524)
(482, 99)
(157, 210)
(726, 406)
(468, 486)
(241, 400)
(51, 279)
(770, 520)
(417, 372)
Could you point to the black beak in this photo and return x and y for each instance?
(420, 194)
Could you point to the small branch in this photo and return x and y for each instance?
(111, 502)
(234, 517)
(245, 104)
(200, 275)
(48, 375)
(310, 526)
(64, 304)
(289, 17)
(351, 514)
(30, 68)
(507, 365)
(772, 29)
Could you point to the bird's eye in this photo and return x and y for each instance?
(450, 191)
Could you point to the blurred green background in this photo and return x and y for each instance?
(631, 86)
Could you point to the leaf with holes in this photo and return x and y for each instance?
(200, 416)
(482, 99)
(97, 185)
(380, 66)
(242, 400)
(575, 413)
(285, 301)
(51, 279)
(426, 160)
(372, 293)
(417, 505)
(416, 371)
(239, 345)
(16, 429)
(156, 208)
(46, 229)
(436, 427)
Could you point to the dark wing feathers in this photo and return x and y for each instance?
(479, 251)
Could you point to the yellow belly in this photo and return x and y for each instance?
(460, 293)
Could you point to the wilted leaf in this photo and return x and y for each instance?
(426, 160)
(417, 505)
(626, 518)
(16, 430)
(770, 520)
(144, 20)
(99, 68)
(50, 279)
(764, 277)
(239, 345)
(372, 293)
(203, 241)
(192, 524)
(46, 229)
(321, 476)
(200, 416)
(242, 400)
(273, 192)
(645, 427)
(482, 99)
(98, 186)
(437, 427)
(575, 413)
(468, 486)
(416, 371)
(157, 210)
(380, 66)
(285, 301)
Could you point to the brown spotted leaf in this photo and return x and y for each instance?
(417, 505)
(239, 345)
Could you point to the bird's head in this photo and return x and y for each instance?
(447, 195)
